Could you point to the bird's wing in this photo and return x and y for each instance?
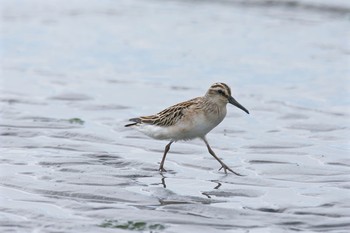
(168, 116)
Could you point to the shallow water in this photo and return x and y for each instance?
(72, 73)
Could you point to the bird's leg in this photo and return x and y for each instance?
(167, 148)
(223, 165)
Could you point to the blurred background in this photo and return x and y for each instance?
(73, 72)
(258, 47)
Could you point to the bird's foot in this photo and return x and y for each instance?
(225, 167)
(161, 169)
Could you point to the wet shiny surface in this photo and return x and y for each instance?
(74, 72)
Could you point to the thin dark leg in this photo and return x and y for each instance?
(167, 148)
(223, 165)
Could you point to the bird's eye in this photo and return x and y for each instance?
(220, 92)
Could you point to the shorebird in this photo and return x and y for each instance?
(188, 120)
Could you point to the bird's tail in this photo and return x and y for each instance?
(135, 120)
(130, 124)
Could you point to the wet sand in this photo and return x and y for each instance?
(72, 73)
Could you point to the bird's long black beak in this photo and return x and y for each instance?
(231, 100)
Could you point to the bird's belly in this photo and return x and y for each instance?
(186, 129)
(157, 132)
(197, 127)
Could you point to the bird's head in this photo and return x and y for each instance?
(221, 94)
